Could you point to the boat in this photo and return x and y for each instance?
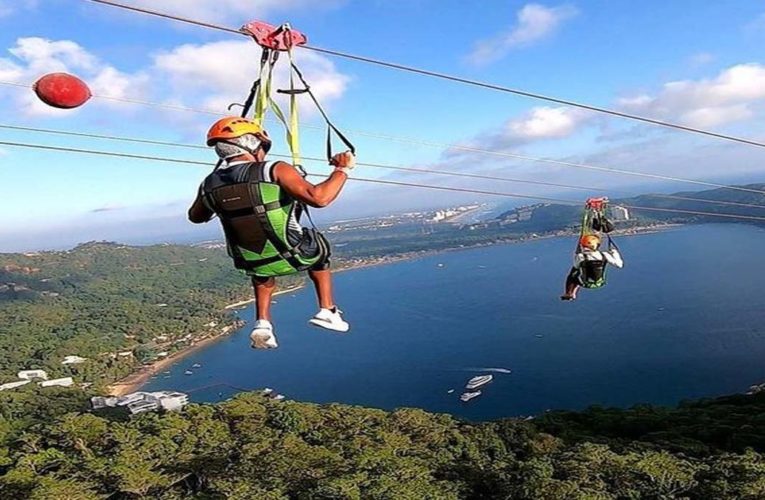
(450, 391)
(476, 382)
(467, 396)
(188, 372)
(196, 365)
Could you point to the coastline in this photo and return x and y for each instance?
(380, 261)
(136, 380)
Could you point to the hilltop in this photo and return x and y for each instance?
(253, 447)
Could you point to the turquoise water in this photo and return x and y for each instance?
(683, 319)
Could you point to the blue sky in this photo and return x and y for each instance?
(697, 63)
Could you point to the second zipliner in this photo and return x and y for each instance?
(260, 203)
(590, 262)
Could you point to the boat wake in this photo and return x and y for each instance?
(495, 370)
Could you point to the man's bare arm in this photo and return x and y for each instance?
(198, 212)
(314, 195)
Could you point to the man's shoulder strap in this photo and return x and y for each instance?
(262, 171)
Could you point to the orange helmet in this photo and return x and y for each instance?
(589, 241)
(233, 127)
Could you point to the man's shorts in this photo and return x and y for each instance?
(314, 243)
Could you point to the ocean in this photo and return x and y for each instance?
(682, 320)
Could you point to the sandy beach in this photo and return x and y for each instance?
(135, 380)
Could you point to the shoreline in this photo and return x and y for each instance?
(136, 380)
(139, 378)
(380, 261)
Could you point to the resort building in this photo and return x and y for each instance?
(32, 374)
(13, 385)
(620, 213)
(58, 382)
(139, 402)
(73, 360)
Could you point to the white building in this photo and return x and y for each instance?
(620, 213)
(139, 402)
(73, 360)
(172, 401)
(32, 374)
(13, 385)
(58, 382)
(141, 406)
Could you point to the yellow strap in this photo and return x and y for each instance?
(294, 131)
(265, 100)
(280, 115)
(264, 93)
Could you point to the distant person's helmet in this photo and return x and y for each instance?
(590, 241)
(234, 130)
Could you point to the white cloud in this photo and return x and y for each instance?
(540, 123)
(545, 123)
(727, 98)
(220, 73)
(238, 11)
(534, 23)
(33, 57)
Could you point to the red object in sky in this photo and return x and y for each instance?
(271, 37)
(62, 90)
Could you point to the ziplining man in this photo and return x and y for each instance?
(260, 204)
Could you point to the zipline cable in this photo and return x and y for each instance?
(446, 146)
(375, 181)
(457, 79)
(381, 166)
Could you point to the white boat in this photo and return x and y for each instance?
(467, 396)
(188, 372)
(450, 391)
(476, 382)
(196, 365)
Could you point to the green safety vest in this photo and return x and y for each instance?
(255, 215)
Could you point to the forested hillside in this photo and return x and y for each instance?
(253, 447)
(102, 299)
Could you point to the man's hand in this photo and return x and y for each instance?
(345, 161)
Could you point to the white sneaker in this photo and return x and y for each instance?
(262, 336)
(330, 319)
